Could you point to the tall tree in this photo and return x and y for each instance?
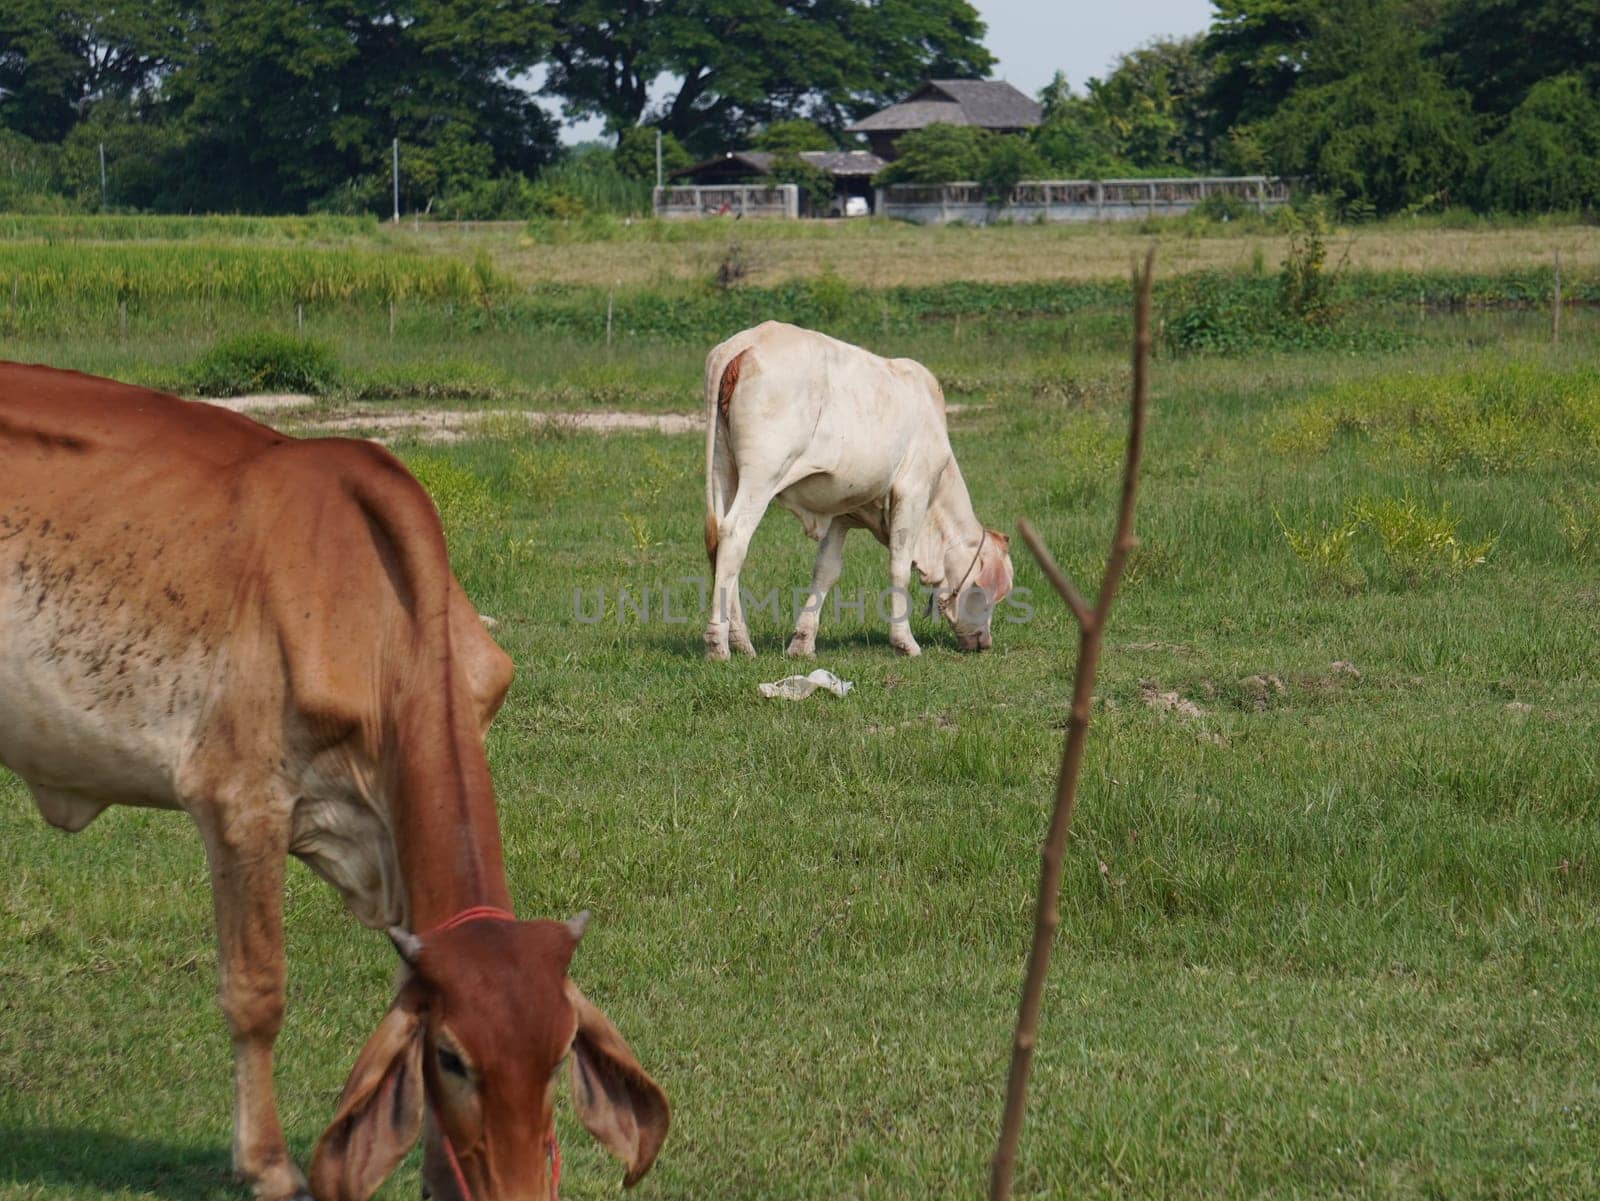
(288, 99)
(730, 65)
(1148, 112)
(1547, 158)
(57, 59)
(1258, 51)
(1385, 129)
(1153, 103)
(1498, 49)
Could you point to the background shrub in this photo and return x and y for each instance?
(265, 361)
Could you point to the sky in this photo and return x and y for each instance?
(1033, 39)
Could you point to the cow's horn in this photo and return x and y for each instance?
(577, 924)
(407, 943)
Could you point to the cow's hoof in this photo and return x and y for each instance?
(717, 654)
(280, 1180)
(909, 649)
(742, 644)
(299, 1193)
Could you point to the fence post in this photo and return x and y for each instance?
(611, 297)
(1100, 200)
(395, 174)
(1555, 308)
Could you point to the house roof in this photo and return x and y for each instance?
(986, 103)
(838, 163)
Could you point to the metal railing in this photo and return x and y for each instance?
(727, 200)
(1074, 199)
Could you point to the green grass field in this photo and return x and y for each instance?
(1329, 914)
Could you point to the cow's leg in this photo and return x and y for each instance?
(246, 842)
(734, 532)
(906, 516)
(738, 629)
(824, 575)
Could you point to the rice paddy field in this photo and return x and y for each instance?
(1329, 912)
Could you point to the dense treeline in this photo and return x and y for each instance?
(1382, 105)
(286, 105)
(290, 105)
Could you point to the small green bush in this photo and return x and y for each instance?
(264, 361)
(1304, 285)
(1214, 313)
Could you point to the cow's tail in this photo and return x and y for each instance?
(722, 377)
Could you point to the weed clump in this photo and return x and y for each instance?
(1327, 552)
(1417, 545)
(1089, 449)
(462, 498)
(1577, 509)
(264, 362)
(1516, 418)
(1304, 285)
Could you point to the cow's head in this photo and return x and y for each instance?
(983, 580)
(479, 1031)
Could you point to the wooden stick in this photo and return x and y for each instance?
(1091, 623)
(1054, 574)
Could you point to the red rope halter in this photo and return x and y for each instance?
(552, 1150)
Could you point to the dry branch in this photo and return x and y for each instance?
(1091, 623)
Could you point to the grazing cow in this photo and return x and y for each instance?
(842, 439)
(199, 613)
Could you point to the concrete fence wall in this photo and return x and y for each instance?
(1073, 199)
(727, 200)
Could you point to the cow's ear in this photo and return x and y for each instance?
(994, 573)
(380, 1110)
(616, 1101)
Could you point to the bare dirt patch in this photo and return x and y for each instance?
(1166, 701)
(457, 425)
(1260, 691)
(262, 403)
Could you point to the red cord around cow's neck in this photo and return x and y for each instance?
(471, 914)
(552, 1150)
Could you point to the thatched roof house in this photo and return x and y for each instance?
(989, 104)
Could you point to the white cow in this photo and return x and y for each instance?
(842, 439)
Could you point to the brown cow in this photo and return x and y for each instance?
(199, 613)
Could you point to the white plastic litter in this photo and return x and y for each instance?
(797, 688)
